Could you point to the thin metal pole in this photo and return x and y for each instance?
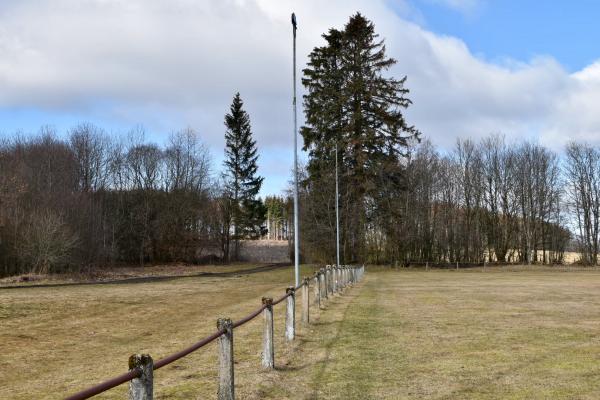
(296, 227)
(337, 209)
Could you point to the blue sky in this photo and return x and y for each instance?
(521, 30)
(475, 67)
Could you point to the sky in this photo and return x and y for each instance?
(473, 67)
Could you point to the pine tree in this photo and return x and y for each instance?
(351, 103)
(242, 181)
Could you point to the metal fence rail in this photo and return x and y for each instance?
(327, 281)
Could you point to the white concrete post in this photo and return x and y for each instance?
(305, 303)
(141, 388)
(268, 354)
(226, 380)
(317, 291)
(322, 284)
(290, 314)
(327, 281)
(334, 279)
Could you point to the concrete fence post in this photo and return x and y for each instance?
(226, 380)
(141, 388)
(268, 354)
(334, 279)
(290, 314)
(317, 289)
(305, 302)
(322, 286)
(345, 276)
(330, 281)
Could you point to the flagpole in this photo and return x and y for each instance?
(296, 226)
(337, 209)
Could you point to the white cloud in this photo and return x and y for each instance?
(169, 64)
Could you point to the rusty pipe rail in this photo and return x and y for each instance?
(104, 386)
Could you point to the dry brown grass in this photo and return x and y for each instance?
(521, 334)
(56, 341)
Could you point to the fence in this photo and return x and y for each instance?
(326, 282)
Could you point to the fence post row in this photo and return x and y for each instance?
(305, 302)
(328, 280)
(141, 388)
(226, 380)
(290, 314)
(268, 355)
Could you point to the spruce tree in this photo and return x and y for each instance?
(242, 181)
(352, 103)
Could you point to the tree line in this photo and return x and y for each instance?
(402, 200)
(93, 199)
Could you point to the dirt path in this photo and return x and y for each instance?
(158, 278)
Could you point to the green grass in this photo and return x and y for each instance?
(525, 334)
(457, 335)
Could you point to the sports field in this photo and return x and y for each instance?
(467, 334)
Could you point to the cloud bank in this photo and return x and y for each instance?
(170, 64)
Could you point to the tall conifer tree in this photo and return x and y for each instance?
(242, 181)
(350, 101)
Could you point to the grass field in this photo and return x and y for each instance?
(523, 334)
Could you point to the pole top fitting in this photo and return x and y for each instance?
(224, 324)
(139, 360)
(267, 301)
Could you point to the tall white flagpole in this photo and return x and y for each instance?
(296, 226)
